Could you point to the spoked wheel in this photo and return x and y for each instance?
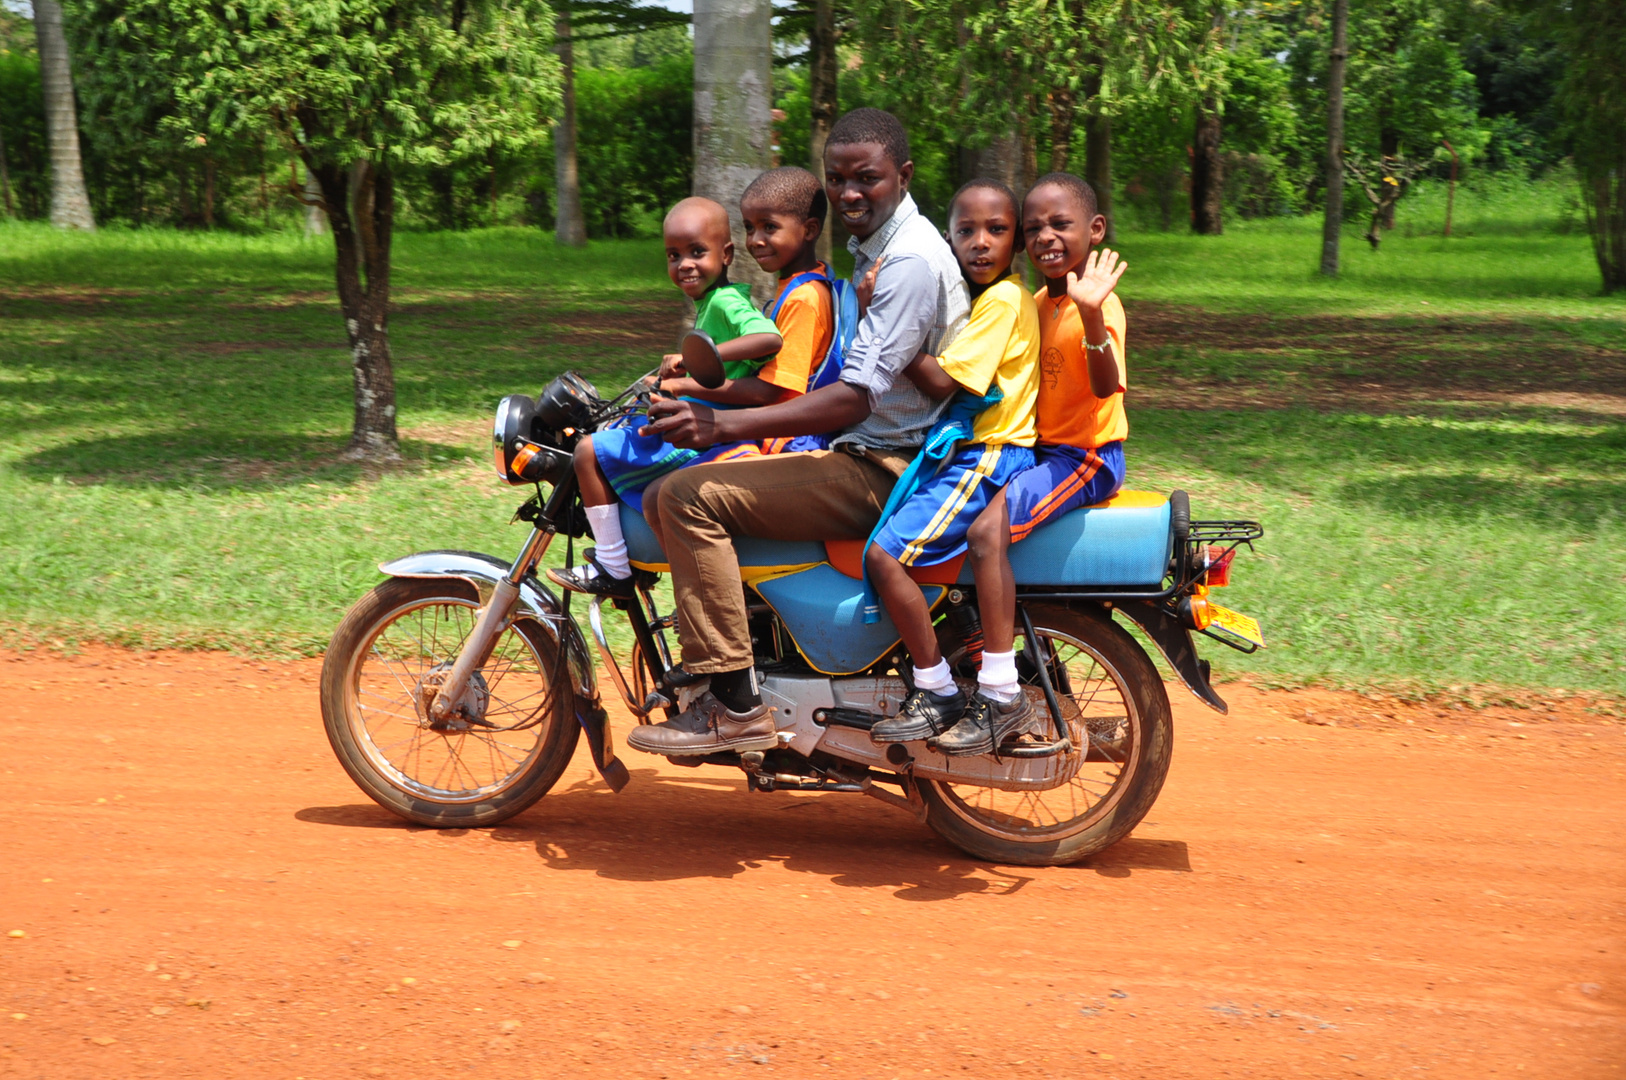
(1118, 721)
(513, 739)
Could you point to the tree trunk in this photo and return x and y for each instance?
(70, 206)
(5, 178)
(823, 89)
(1603, 195)
(570, 227)
(1389, 151)
(1333, 220)
(1062, 108)
(209, 192)
(315, 219)
(360, 205)
(1098, 166)
(733, 65)
(1207, 171)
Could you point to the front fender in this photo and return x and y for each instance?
(536, 600)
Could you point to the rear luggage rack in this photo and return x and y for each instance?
(1226, 532)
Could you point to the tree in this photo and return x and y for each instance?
(587, 20)
(1207, 166)
(354, 91)
(733, 70)
(70, 205)
(1593, 99)
(1332, 221)
(1029, 70)
(823, 24)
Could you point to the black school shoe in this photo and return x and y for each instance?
(923, 715)
(987, 723)
(594, 580)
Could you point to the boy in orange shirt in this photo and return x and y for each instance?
(1078, 459)
(783, 212)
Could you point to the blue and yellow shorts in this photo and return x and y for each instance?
(1062, 478)
(930, 527)
(631, 462)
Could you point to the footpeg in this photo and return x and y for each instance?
(656, 700)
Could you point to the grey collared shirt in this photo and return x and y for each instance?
(920, 303)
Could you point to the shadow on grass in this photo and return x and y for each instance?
(219, 461)
(1464, 497)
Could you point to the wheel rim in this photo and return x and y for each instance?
(406, 648)
(1102, 716)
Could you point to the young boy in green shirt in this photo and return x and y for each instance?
(618, 461)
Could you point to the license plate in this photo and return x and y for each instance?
(1236, 625)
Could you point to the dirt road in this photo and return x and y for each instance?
(194, 888)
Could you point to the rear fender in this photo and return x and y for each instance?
(537, 603)
(1175, 643)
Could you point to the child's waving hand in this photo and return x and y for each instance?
(1090, 289)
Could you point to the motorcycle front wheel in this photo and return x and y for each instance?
(380, 674)
(1119, 724)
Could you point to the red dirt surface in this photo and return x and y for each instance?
(195, 889)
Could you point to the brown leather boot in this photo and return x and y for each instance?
(707, 727)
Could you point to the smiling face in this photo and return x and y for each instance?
(982, 232)
(776, 238)
(864, 185)
(1060, 230)
(698, 248)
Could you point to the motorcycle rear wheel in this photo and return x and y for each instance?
(378, 675)
(1118, 717)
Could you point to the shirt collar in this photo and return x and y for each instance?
(874, 244)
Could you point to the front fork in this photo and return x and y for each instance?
(491, 622)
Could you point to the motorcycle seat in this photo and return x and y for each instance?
(1123, 541)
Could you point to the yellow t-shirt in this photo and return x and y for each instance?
(1000, 347)
(1069, 412)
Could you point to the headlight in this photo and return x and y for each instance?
(520, 460)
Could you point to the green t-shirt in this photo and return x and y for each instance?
(726, 312)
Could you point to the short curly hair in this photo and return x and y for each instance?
(872, 126)
(789, 190)
(1076, 186)
(987, 184)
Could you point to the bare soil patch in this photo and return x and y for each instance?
(1189, 357)
(200, 891)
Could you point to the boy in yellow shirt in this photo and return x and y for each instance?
(1078, 459)
(997, 351)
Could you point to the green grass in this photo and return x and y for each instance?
(1439, 482)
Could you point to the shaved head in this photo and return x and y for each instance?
(700, 218)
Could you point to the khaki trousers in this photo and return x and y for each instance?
(822, 495)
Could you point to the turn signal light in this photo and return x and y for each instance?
(1195, 610)
(1218, 566)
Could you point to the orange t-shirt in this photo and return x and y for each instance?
(1069, 413)
(806, 321)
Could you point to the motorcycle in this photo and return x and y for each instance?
(455, 692)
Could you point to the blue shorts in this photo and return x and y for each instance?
(631, 462)
(1062, 478)
(930, 527)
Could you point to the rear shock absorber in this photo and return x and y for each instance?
(964, 621)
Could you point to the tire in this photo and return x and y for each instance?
(1114, 774)
(373, 688)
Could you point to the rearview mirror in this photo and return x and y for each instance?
(700, 359)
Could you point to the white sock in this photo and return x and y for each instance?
(997, 680)
(605, 521)
(939, 679)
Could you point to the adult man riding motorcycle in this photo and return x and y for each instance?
(920, 302)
